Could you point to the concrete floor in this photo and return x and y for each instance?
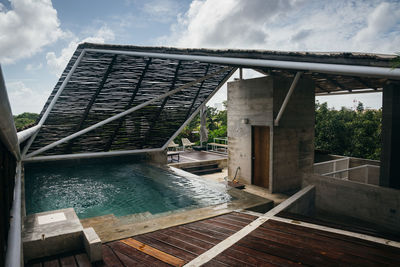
(252, 189)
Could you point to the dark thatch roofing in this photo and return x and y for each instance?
(105, 84)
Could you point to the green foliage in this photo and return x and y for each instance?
(396, 61)
(216, 125)
(25, 120)
(347, 132)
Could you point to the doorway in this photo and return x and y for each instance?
(260, 155)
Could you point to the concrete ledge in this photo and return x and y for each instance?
(222, 163)
(92, 244)
(50, 233)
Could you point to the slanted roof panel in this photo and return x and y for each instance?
(104, 85)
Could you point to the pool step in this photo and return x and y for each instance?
(203, 169)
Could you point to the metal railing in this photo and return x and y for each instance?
(368, 174)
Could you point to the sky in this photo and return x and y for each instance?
(38, 37)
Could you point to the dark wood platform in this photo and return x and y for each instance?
(273, 244)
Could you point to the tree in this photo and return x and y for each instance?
(347, 132)
(216, 125)
(25, 120)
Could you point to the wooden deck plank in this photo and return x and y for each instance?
(186, 238)
(51, 263)
(149, 250)
(239, 218)
(204, 229)
(305, 245)
(201, 236)
(286, 252)
(135, 254)
(82, 260)
(243, 215)
(68, 261)
(180, 253)
(109, 258)
(177, 243)
(218, 227)
(128, 261)
(356, 245)
(342, 248)
(216, 263)
(260, 256)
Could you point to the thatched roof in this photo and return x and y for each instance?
(105, 84)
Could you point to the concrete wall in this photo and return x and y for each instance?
(247, 99)
(305, 205)
(293, 148)
(366, 202)
(159, 157)
(256, 102)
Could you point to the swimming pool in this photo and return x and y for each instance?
(119, 188)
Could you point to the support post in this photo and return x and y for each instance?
(285, 102)
(390, 158)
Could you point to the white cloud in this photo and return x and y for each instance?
(24, 99)
(31, 67)
(291, 25)
(26, 28)
(57, 64)
(364, 26)
(161, 10)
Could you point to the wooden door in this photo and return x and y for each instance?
(260, 155)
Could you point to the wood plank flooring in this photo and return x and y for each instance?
(272, 244)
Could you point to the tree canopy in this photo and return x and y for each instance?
(25, 120)
(347, 132)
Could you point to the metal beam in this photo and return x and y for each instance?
(340, 69)
(122, 114)
(53, 101)
(120, 121)
(364, 83)
(197, 94)
(362, 91)
(337, 84)
(91, 155)
(8, 133)
(14, 244)
(323, 89)
(25, 134)
(92, 100)
(285, 102)
(224, 80)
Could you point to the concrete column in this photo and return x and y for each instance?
(390, 156)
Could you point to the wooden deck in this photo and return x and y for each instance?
(273, 244)
(193, 156)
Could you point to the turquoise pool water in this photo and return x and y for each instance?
(115, 188)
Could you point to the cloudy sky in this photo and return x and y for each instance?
(37, 37)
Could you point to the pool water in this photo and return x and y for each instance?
(98, 189)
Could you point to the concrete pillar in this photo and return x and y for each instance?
(390, 156)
